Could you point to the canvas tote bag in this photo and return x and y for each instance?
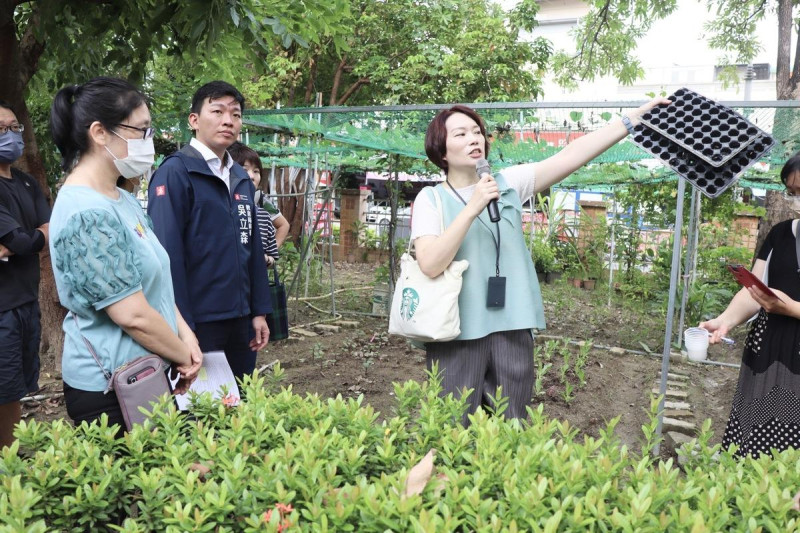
(426, 309)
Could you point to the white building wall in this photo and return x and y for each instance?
(674, 54)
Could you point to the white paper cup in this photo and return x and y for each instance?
(696, 340)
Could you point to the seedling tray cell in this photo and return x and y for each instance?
(713, 132)
(710, 180)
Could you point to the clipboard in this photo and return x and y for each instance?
(748, 279)
(214, 374)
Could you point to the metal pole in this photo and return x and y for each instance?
(482, 106)
(673, 285)
(613, 246)
(308, 199)
(748, 82)
(696, 239)
(329, 223)
(687, 264)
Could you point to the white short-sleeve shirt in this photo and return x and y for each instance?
(427, 219)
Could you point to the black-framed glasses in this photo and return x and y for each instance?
(16, 128)
(146, 132)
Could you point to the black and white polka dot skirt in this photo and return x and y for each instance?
(766, 407)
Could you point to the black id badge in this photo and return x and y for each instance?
(496, 297)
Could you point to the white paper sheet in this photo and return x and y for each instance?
(214, 373)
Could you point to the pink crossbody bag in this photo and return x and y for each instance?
(137, 383)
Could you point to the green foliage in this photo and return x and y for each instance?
(640, 287)
(707, 300)
(544, 257)
(168, 47)
(594, 234)
(606, 41)
(714, 286)
(311, 464)
(407, 52)
(733, 31)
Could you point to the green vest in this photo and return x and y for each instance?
(523, 309)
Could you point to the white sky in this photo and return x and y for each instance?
(678, 39)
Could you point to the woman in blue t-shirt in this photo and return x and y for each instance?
(111, 272)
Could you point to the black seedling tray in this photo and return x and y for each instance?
(712, 131)
(707, 143)
(710, 180)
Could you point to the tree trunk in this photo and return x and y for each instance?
(312, 78)
(337, 80)
(296, 204)
(777, 211)
(786, 85)
(291, 207)
(352, 90)
(18, 62)
(787, 76)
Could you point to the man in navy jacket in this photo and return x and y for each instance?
(203, 211)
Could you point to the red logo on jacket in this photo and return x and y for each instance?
(161, 190)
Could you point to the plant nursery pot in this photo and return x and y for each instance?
(551, 277)
(380, 299)
(576, 282)
(589, 284)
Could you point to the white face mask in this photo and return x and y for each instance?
(141, 156)
(794, 204)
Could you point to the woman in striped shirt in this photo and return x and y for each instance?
(251, 162)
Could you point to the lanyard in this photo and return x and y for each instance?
(496, 241)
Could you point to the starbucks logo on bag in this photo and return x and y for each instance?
(409, 303)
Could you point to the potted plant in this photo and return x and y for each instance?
(544, 258)
(593, 271)
(566, 257)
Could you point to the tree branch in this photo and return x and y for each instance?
(337, 78)
(603, 22)
(352, 89)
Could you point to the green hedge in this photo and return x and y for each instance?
(281, 462)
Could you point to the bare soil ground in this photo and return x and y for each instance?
(364, 360)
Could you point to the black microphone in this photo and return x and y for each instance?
(483, 168)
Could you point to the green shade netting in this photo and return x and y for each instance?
(367, 138)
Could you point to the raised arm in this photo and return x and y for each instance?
(583, 149)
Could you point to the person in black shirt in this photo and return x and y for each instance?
(24, 215)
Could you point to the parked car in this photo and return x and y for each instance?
(379, 217)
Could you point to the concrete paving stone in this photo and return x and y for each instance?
(671, 384)
(680, 426)
(348, 323)
(327, 327)
(678, 413)
(675, 439)
(305, 332)
(672, 393)
(675, 375)
(676, 405)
